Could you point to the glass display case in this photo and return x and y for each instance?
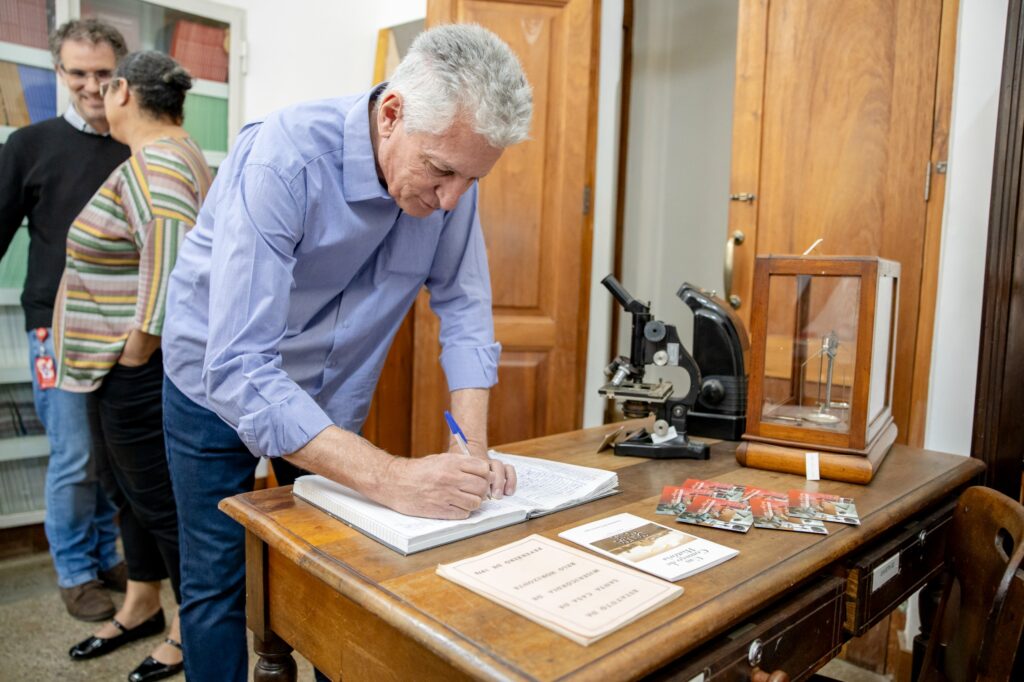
(822, 350)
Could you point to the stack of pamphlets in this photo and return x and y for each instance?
(738, 508)
(771, 510)
(808, 505)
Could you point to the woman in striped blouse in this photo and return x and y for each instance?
(107, 324)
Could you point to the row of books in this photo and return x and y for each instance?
(14, 264)
(201, 48)
(22, 484)
(24, 22)
(13, 340)
(738, 508)
(28, 94)
(18, 415)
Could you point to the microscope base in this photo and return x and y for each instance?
(680, 447)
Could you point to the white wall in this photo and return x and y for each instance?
(965, 226)
(605, 190)
(309, 49)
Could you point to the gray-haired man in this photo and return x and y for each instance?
(324, 222)
(48, 171)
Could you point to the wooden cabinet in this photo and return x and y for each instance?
(841, 119)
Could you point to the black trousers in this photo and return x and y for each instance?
(126, 422)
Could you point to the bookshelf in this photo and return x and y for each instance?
(28, 94)
(209, 40)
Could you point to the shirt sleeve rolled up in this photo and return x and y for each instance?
(460, 294)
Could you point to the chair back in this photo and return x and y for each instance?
(985, 550)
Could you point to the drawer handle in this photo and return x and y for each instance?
(754, 653)
(758, 675)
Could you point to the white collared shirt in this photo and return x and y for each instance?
(75, 119)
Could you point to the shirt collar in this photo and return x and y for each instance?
(78, 123)
(359, 172)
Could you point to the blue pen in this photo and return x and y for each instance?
(460, 437)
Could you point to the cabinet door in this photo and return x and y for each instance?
(537, 229)
(841, 113)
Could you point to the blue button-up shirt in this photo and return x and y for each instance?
(289, 290)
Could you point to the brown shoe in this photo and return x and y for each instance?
(115, 578)
(88, 601)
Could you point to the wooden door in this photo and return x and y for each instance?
(534, 208)
(840, 126)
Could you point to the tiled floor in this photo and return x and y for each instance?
(36, 632)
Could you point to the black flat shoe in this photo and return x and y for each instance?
(152, 669)
(91, 647)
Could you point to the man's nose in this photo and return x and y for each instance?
(450, 190)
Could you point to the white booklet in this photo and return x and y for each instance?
(543, 487)
(576, 594)
(662, 551)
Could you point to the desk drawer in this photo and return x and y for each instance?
(887, 574)
(798, 638)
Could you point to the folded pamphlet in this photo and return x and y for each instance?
(659, 550)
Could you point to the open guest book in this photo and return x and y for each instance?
(543, 487)
(576, 594)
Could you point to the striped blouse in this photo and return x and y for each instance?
(120, 253)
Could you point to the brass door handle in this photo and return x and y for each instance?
(734, 240)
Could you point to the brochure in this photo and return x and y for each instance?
(716, 512)
(576, 594)
(662, 551)
(725, 491)
(674, 500)
(771, 510)
(808, 505)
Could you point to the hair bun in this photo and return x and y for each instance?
(178, 77)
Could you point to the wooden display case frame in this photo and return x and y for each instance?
(861, 435)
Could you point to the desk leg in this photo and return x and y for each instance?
(927, 606)
(275, 662)
(274, 656)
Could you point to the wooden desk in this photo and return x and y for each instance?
(360, 611)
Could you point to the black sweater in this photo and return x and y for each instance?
(49, 172)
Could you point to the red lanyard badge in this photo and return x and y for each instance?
(46, 374)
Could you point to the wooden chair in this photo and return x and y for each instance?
(985, 550)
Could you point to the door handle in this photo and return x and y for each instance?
(734, 240)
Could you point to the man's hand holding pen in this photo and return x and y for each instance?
(501, 476)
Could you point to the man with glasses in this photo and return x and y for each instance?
(48, 172)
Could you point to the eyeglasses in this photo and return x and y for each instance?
(105, 86)
(78, 76)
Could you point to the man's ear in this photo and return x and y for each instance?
(389, 113)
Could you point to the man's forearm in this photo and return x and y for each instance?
(444, 486)
(469, 407)
(344, 457)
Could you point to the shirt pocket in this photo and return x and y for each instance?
(410, 246)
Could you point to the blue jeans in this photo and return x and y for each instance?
(79, 518)
(209, 462)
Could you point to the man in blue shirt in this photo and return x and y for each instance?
(324, 222)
